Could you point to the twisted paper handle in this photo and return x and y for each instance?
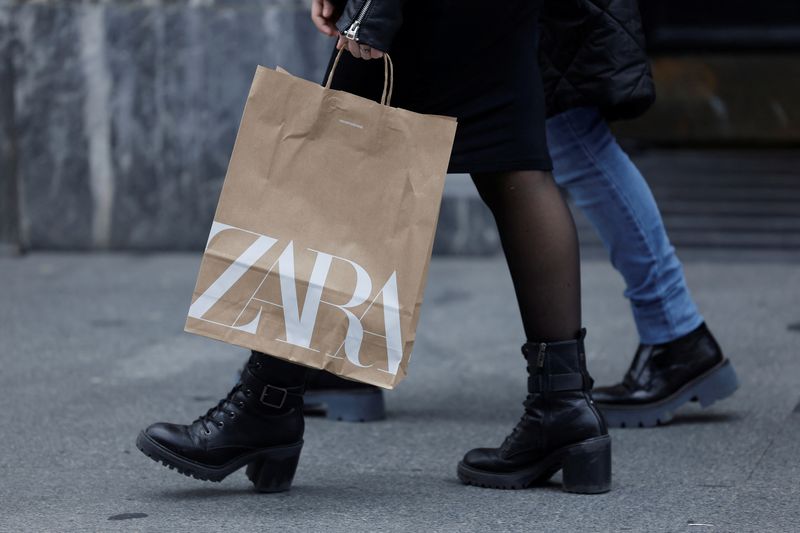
(388, 77)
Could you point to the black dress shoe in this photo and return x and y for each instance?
(560, 429)
(341, 399)
(259, 424)
(664, 377)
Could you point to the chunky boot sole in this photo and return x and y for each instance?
(586, 469)
(715, 384)
(270, 469)
(346, 405)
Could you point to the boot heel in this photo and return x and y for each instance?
(357, 406)
(587, 467)
(274, 471)
(717, 386)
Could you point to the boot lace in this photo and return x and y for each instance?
(220, 408)
(525, 420)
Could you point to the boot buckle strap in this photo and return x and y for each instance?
(555, 382)
(274, 397)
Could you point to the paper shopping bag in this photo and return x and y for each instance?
(320, 245)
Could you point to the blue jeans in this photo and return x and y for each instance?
(607, 186)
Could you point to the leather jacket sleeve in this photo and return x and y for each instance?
(372, 22)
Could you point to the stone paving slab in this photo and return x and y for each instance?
(92, 350)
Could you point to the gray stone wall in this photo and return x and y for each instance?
(9, 235)
(125, 112)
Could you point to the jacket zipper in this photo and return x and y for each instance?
(352, 31)
(540, 358)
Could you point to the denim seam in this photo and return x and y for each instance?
(628, 211)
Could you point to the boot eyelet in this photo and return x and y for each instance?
(220, 424)
(208, 432)
(248, 393)
(231, 414)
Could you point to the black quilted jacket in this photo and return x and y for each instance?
(592, 51)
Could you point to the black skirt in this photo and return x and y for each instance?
(473, 60)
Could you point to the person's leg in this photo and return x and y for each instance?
(560, 427)
(541, 246)
(610, 190)
(678, 359)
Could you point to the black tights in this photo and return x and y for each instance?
(541, 247)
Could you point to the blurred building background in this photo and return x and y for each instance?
(117, 118)
(728, 110)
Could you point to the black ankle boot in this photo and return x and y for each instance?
(259, 424)
(664, 377)
(561, 429)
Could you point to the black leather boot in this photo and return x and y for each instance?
(341, 399)
(664, 377)
(560, 430)
(259, 424)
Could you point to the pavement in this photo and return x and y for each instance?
(92, 350)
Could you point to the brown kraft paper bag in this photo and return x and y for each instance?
(320, 245)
